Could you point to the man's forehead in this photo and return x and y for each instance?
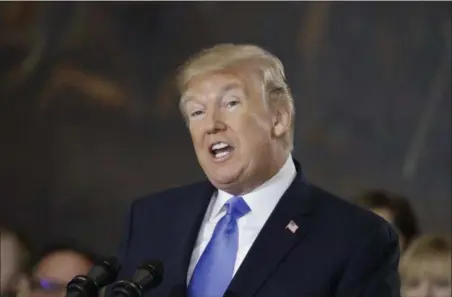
(217, 87)
(219, 82)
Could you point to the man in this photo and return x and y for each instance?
(54, 268)
(256, 227)
(396, 210)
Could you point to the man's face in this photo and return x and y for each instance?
(233, 132)
(52, 274)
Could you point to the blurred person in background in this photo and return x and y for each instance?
(425, 267)
(54, 268)
(13, 261)
(395, 209)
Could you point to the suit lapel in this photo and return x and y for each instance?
(288, 223)
(184, 235)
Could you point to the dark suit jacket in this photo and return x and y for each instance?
(338, 250)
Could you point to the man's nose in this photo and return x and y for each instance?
(427, 290)
(214, 123)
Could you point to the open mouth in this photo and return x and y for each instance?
(221, 150)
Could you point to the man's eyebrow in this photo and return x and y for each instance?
(185, 98)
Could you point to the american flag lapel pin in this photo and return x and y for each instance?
(292, 226)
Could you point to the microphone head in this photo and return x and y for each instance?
(149, 274)
(101, 274)
(104, 271)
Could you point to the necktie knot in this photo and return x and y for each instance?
(237, 207)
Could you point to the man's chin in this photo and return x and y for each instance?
(225, 181)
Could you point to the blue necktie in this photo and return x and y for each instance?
(215, 267)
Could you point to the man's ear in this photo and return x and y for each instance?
(281, 121)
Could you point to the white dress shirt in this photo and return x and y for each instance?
(261, 201)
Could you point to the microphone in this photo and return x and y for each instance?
(101, 274)
(147, 276)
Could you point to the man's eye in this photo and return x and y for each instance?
(232, 103)
(196, 113)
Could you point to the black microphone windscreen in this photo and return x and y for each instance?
(104, 271)
(149, 274)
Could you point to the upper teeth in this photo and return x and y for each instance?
(219, 145)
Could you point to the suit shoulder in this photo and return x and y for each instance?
(169, 195)
(346, 216)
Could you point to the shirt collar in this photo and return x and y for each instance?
(272, 190)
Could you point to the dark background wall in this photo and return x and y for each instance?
(89, 119)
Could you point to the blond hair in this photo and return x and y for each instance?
(229, 56)
(429, 256)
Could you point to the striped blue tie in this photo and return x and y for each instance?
(215, 268)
